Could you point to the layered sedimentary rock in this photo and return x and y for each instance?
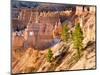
(64, 56)
(40, 27)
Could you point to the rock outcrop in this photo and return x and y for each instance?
(30, 59)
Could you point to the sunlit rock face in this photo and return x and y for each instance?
(38, 33)
(38, 37)
(89, 28)
(30, 46)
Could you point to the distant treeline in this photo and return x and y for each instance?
(41, 6)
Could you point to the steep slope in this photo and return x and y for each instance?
(64, 55)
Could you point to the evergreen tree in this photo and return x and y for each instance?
(77, 39)
(49, 56)
(65, 33)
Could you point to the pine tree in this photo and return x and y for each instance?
(77, 39)
(49, 56)
(65, 34)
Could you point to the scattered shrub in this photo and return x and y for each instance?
(65, 33)
(77, 37)
(49, 55)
